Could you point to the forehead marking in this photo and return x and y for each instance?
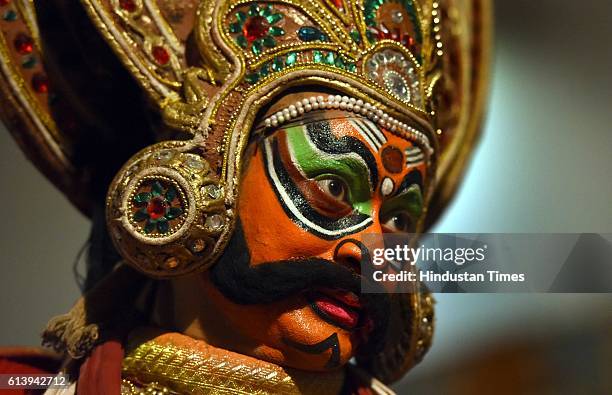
(393, 159)
(387, 186)
(414, 155)
(369, 132)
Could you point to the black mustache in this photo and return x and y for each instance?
(273, 281)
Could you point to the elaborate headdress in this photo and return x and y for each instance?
(211, 69)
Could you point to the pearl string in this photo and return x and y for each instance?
(351, 104)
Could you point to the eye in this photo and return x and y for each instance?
(399, 223)
(334, 187)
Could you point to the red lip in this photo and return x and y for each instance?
(337, 307)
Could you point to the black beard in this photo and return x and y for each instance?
(270, 282)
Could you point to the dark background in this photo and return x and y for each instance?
(544, 165)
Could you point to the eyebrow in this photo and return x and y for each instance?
(320, 133)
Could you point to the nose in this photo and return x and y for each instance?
(348, 252)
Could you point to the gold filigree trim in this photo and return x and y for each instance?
(185, 365)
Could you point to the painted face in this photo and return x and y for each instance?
(288, 283)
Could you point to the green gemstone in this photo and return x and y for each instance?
(252, 78)
(370, 19)
(291, 59)
(272, 19)
(278, 64)
(10, 16)
(242, 41)
(257, 47)
(142, 197)
(29, 62)
(340, 63)
(241, 17)
(267, 11)
(156, 188)
(174, 212)
(170, 194)
(140, 215)
(264, 70)
(371, 36)
(254, 10)
(276, 31)
(355, 36)
(330, 58)
(269, 41)
(235, 27)
(317, 56)
(352, 67)
(163, 226)
(149, 226)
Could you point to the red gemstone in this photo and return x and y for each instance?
(338, 4)
(407, 40)
(24, 44)
(128, 5)
(161, 55)
(4, 2)
(40, 83)
(255, 28)
(156, 208)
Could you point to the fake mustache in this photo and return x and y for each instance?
(273, 281)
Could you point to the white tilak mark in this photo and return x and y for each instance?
(371, 142)
(387, 186)
(414, 159)
(375, 129)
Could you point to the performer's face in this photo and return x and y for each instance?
(288, 282)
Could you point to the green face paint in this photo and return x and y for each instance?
(410, 201)
(316, 164)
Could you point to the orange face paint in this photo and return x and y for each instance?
(309, 194)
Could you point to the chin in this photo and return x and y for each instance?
(308, 342)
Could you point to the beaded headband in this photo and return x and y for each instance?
(349, 104)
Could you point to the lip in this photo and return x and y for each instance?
(338, 307)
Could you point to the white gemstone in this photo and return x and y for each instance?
(195, 163)
(163, 156)
(214, 222)
(211, 191)
(397, 17)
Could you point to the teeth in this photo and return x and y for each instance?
(351, 104)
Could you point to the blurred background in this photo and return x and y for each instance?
(544, 164)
